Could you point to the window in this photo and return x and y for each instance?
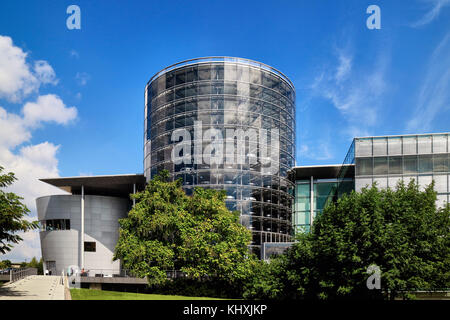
(410, 165)
(425, 164)
(394, 146)
(192, 74)
(55, 225)
(204, 73)
(230, 72)
(379, 146)
(424, 144)
(439, 143)
(180, 93)
(303, 190)
(255, 76)
(180, 77)
(409, 145)
(89, 246)
(363, 147)
(217, 72)
(364, 166)
(440, 163)
(380, 165)
(204, 88)
(170, 80)
(395, 165)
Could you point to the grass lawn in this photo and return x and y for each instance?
(88, 294)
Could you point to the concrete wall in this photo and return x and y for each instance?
(101, 226)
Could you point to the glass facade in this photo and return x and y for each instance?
(386, 160)
(54, 225)
(227, 94)
(310, 200)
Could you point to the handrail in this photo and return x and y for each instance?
(222, 59)
(122, 273)
(15, 275)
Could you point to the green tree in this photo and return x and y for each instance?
(5, 264)
(34, 263)
(401, 231)
(267, 280)
(168, 230)
(12, 214)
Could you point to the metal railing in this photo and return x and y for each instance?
(18, 274)
(101, 273)
(122, 273)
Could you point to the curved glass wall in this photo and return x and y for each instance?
(250, 108)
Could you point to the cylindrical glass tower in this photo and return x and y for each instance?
(226, 123)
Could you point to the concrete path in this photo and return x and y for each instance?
(34, 288)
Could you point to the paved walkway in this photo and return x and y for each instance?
(34, 288)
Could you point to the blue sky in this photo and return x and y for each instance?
(350, 81)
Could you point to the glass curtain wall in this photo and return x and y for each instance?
(387, 160)
(228, 93)
(304, 211)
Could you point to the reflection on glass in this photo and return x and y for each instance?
(380, 165)
(410, 164)
(228, 95)
(395, 165)
(425, 164)
(363, 166)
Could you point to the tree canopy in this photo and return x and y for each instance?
(401, 231)
(168, 230)
(12, 214)
(5, 264)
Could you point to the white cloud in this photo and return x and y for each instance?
(74, 54)
(12, 130)
(82, 78)
(356, 93)
(344, 68)
(48, 108)
(29, 165)
(25, 250)
(434, 94)
(29, 162)
(17, 78)
(318, 150)
(44, 72)
(433, 12)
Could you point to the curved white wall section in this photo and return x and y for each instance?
(100, 226)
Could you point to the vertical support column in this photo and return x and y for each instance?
(311, 201)
(82, 227)
(134, 192)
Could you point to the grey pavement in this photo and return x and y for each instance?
(34, 288)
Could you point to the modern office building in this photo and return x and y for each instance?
(388, 159)
(81, 228)
(247, 109)
(228, 124)
(384, 160)
(313, 187)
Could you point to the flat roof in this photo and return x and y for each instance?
(329, 171)
(405, 135)
(220, 59)
(120, 185)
